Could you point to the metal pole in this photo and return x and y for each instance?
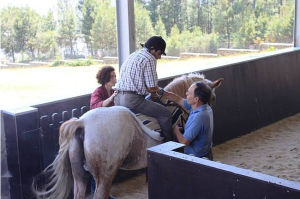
(297, 24)
(126, 29)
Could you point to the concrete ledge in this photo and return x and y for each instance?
(169, 57)
(17, 65)
(228, 51)
(3, 61)
(21, 65)
(265, 46)
(204, 55)
(93, 60)
(110, 60)
(98, 61)
(37, 63)
(62, 62)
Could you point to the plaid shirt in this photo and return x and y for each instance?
(138, 73)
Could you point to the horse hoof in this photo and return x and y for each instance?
(111, 197)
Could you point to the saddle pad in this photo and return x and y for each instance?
(152, 123)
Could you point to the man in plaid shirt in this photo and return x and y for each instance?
(138, 78)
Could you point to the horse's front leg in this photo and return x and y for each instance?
(80, 175)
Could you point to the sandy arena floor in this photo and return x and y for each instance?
(272, 150)
(134, 188)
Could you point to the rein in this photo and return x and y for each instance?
(172, 104)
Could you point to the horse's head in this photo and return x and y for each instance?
(181, 84)
(213, 85)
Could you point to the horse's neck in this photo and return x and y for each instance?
(181, 84)
(179, 87)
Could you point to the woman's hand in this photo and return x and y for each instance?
(113, 96)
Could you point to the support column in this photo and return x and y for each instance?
(297, 24)
(126, 29)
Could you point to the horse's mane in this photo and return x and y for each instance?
(181, 84)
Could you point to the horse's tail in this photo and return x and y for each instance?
(60, 182)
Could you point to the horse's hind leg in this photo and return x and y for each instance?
(104, 176)
(103, 187)
(80, 175)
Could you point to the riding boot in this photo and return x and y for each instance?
(111, 197)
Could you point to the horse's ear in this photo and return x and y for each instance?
(216, 83)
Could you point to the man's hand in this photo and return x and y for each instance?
(154, 89)
(154, 96)
(176, 129)
(179, 136)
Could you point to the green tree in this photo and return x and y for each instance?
(45, 40)
(267, 7)
(280, 28)
(88, 10)
(205, 16)
(186, 41)
(192, 10)
(160, 29)
(78, 13)
(247, 33)
(143, 26)
(212, 45)
(228, 15)
(33, 24)
(173, 43)
(46, 44)
(48, 22)
(196, 39)
(171, 14)
(104, 30)
(183, 15)
(8, 34)
(26, 25)
(153, 9)
(66, 25)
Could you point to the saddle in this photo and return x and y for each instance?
(152, 123)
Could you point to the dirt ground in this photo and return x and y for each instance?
(272, 150)
(134, 188)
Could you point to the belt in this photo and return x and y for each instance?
(128, 92)
(131, 92)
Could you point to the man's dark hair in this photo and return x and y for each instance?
(202, 91)
(103, 75)
(156, 42)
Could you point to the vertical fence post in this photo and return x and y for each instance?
(21, 133)
(5, 175)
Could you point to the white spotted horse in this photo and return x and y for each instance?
(113, 138)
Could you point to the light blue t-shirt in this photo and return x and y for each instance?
(199, 130)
